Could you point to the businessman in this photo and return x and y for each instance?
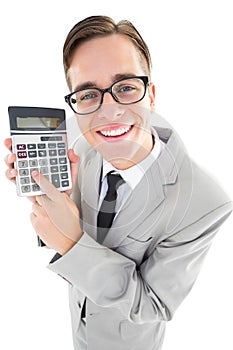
(132, 236)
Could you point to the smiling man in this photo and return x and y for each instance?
(95, 66)
(142, 217)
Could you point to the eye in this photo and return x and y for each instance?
(87, 95)
(125, 88)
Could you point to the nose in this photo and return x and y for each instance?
(110, 109)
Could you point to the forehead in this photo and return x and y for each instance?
(101, 58)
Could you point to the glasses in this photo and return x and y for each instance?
(125, 91)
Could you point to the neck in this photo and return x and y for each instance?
(142, 152)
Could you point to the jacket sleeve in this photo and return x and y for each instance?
(153, 290)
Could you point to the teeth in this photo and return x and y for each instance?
(116, 132)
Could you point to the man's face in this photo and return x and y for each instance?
(121, 133)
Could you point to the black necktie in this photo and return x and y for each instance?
(107, 210)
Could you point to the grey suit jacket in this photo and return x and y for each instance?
(150, 259)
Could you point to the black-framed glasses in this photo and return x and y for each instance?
(125, 91)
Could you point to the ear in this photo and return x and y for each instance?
(151, 92)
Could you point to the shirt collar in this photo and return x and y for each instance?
(134, 174)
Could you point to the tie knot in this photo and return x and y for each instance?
(114, 181)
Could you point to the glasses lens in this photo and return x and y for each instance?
(129, 90)
(85, 101)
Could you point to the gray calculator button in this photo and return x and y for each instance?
(35, 188)
(64, 176)
(52, 152)
(65, 183)
(23, 172)
(53, 161)
(44, 170)
(62, 152)
(61, 145)
(31, 146)
(51, 145)
(33, 162)
(63, 168)
(54, 169)
(32, 169)
(55, 180)
(42, 153)
(41, 145)
(32, 154)
(26, 189)
(43, 162)
(24, 180)
(23, 163)
(62, 161)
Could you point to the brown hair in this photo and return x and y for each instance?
(97, 26)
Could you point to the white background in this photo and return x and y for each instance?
(191, 47)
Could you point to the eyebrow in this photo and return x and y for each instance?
(92, 84)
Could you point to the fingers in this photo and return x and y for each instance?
(8, 143)
(9, 159)
(46, 186)
(11, 172)
(38, 210)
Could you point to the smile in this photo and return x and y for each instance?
(115, 132)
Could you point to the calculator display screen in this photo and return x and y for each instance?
(38, 122)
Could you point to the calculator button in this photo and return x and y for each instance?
(64, 176)
(65, 183)
(63, 168)
(44, 170)
(53, 161)
(32, 154)
(61, 145)
(41, 145)
(26, 189)
(52, 145)
(23, 163)
(61, 152)
(43, 162)
(55, 180)
(31, 146)
(23, 172)
(22, 154)
(52, 152)
(42, 153)
(35, 188)
(21, 147)
(33, 162)
(62, 160)
(54, 169)
(33, 169)
(24, 180)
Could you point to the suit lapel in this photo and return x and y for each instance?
(90, 194)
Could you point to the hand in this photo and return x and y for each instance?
(55, 217)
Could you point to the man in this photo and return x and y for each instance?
(127, 278)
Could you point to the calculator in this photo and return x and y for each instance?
(39, 140)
